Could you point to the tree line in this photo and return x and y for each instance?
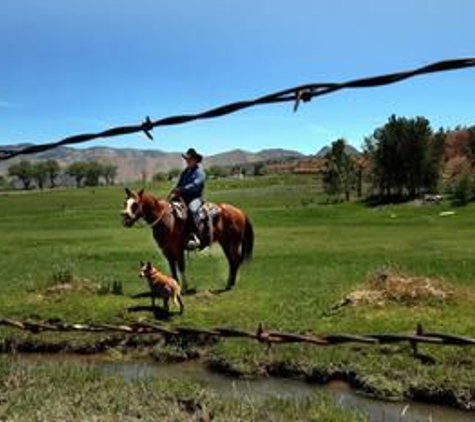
(218, 171)
(48, 173)
(402, 160)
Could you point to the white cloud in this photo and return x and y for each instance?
(6, 104)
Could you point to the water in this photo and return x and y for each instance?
(259, 389)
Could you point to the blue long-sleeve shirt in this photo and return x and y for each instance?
(191, 183)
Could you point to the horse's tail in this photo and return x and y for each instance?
(247, 245)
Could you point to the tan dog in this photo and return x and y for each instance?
(162, 285)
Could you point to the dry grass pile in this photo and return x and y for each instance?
(391, 285)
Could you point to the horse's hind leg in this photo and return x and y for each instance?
(233, 256)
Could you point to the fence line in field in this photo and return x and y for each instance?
(297, 94)
(262, 336)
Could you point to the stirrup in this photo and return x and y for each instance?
(193, 242)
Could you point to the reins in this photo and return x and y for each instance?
(160, 217)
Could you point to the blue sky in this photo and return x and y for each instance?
(70, 67)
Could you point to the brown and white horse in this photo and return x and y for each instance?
(232, 229)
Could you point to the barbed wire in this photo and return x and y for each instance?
(297, 95)
(262, 336)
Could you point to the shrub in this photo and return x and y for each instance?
(110, 286)
(462, 191)
(62, 274)
(160, 177)
(307, 201)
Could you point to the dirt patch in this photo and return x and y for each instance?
(62, 288)
(388, 286)
(58, 292)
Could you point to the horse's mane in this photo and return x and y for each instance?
(152, 199)
(152, 202)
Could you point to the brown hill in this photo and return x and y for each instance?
(132, 163)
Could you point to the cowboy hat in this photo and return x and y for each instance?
(191, 153)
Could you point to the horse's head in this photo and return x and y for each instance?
(133, 207)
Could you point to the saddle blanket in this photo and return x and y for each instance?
(208, 210)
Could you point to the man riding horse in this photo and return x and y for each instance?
(227, 225)
(189, 189)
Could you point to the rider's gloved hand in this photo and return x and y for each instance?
(175, 193)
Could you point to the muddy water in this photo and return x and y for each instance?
(259, 389)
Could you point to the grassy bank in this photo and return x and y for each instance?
(308, 256)
(52, 392)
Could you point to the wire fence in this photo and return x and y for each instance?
(262, 336)
(295, 95)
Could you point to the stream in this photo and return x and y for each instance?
(258, 389)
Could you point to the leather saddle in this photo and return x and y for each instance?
(208, 212)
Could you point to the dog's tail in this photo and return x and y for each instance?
(247, 246)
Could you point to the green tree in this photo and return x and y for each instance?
(462, 191)
(94, 171)
(53, 170)
(160, 176)
(3, 182)
(471, 145)
(22, 171)
(405, 159)
(218, 171)
(173, 173)
(434, 163)
(259, 169)
(89, 173)
(109, 172)
(340, 172)
(39, 173)
(359, 169)
(78, 171)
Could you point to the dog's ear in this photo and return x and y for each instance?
(149, 265)
(140, 193)
(129, 193)
(141, 264)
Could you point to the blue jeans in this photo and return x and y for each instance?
(194, 208)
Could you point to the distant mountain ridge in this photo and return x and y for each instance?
(133, 163)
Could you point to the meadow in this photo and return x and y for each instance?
(308, 256)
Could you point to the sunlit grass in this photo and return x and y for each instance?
(307, 257)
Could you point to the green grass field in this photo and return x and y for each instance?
(307, 257)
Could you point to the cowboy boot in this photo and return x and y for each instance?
(193, 242)
(194, 238)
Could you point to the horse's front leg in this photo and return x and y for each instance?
(172, 262)
(177, 268)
